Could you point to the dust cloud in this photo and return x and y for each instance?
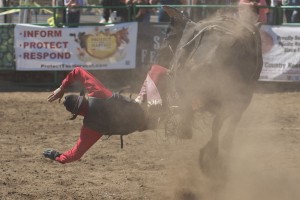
(264, 161)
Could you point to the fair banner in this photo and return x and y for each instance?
(150, 38)
(281, 53)
(41, 48)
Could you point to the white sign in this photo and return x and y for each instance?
(281, 53)
(41, 48)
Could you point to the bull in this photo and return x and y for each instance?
(215, 65)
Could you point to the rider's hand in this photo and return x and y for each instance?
(56, 94)
(52, 154)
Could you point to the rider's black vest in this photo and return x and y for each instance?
(114, 116)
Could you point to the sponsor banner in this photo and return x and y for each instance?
(280, 45)
(92, 47)
(150, 37)
(281, 53)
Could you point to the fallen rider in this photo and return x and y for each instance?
(105, 112)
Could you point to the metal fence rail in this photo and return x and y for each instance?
(90, 15)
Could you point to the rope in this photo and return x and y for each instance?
(222, 29)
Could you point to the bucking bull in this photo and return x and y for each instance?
(214, 67)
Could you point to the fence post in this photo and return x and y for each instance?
(59, 13)
(25, 14)
(275, 16)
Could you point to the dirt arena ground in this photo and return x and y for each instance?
(264, 163)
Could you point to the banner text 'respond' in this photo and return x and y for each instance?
(46, 55)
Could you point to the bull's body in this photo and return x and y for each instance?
(214, 68)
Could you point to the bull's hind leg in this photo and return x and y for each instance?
(209, 153)
(227, 140)
(186, 124)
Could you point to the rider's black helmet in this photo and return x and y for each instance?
(73, 103)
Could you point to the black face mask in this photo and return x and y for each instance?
(73, 104)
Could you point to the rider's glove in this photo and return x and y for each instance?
(52, 154)
(56, 94)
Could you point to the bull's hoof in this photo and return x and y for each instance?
(209, 160)
(186, 195)
(213, 165)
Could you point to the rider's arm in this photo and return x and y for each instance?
(93, 86)
(87, 138)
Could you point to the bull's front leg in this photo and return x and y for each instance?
(209, 153)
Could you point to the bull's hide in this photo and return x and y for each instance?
(217, 58)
